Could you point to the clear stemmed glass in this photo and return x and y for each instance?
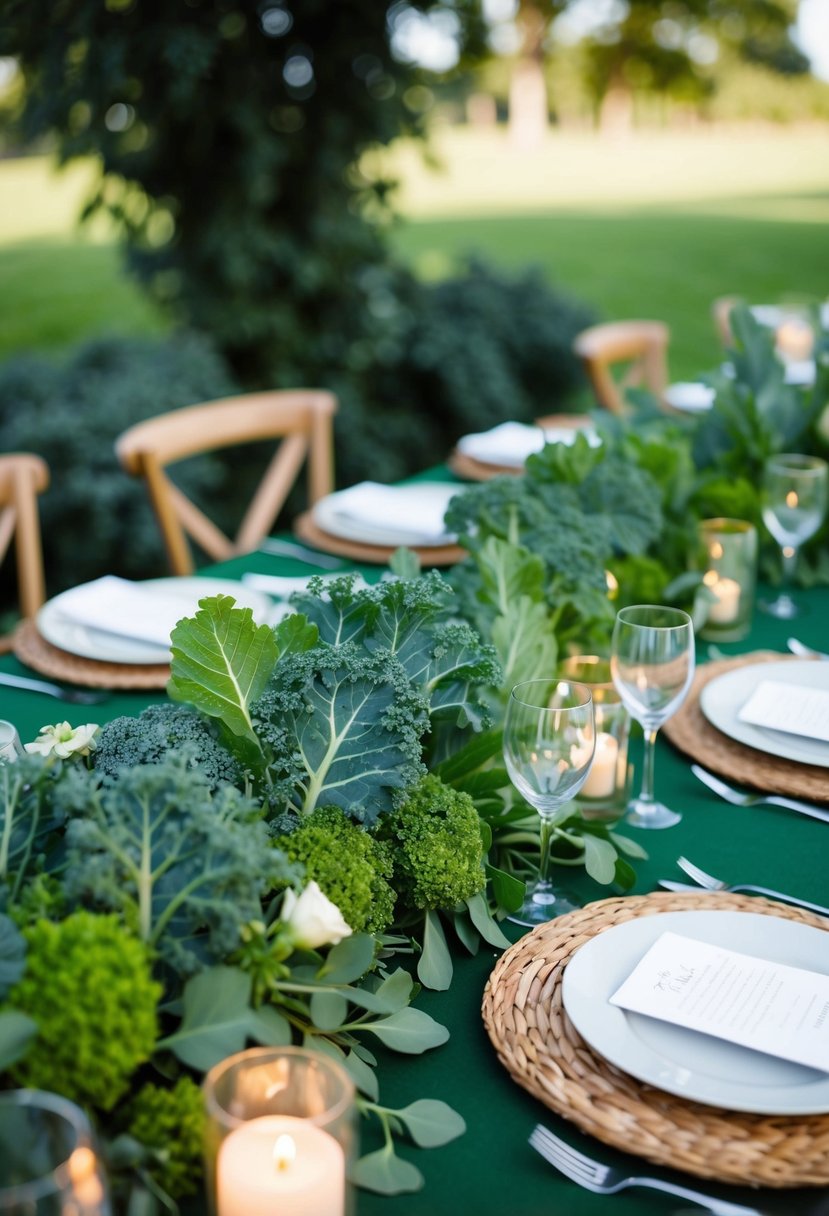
(652, 664)
(549, 741)
(794, 497)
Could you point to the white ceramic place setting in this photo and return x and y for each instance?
(376, 514)
(509, 444)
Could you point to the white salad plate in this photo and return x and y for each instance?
(376, 514)
(690, 396)
(168, 600)
(686, 1062)
(510, 443)
(723, 697)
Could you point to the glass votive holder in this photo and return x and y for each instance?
(281, 1134)
(10, 745)
(48, 1163)
(729, 556)
(604, 795)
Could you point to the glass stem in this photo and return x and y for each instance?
(647, 764)
(789, 555)
(544, 862)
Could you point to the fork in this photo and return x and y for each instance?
(605, 1180)
(74, 696)
(716, 884)
(741, 798)
(289, 548)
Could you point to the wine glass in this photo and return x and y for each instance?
(794, 495)
(652, 665)
(549, 741)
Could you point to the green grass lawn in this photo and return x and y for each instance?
(652, 226)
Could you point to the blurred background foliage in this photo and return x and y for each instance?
(233, 149)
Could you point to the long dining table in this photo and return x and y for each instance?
(491, 1170)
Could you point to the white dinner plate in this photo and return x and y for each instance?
(723, 697)
(509, 444)
(692, 396)
(685, 1062)
(331, 514)
(96, 643)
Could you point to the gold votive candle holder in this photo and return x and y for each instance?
(604, 795)
(281, 1134)
(729, 557)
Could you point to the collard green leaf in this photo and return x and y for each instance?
(386, 1174)
(12, 954)
(434, 967)
(508, 891)
(16, 1033)
(470, 758)
(221, 662)
(410, 1031)
(431, 1123)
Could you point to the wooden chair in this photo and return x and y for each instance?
(624, 354)
(721, 312)
(301, 418)
(22, 477)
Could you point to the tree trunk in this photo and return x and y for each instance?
(528, 104)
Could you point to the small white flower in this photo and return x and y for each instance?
(63, 740)
(313, 919)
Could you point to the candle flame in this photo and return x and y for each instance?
(716, 550)
(284, 1152)
(83, 1174)
(710, 578)
(612, 585)
(791, 498)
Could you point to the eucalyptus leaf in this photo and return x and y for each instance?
(16, 1033)
(386, 1173)
(328, 1010)
(599, 859)
(362, 1075)
(349, 960)
(431, 1123)
(396, 989)
(410, 1031)
(434, 968)
(483, 922)
(631, 848)
(221, 662)
(218, 1019)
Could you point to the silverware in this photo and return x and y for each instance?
(288, 548)
(805, 652)
(74, 696)
(742, 798)
(710, 883)
(605, 1180)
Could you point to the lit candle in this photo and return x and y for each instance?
(794, 339)
(726, 592)
(281, 1165)
(601, 780)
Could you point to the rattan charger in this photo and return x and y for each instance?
(536, 1043)
(33, 650)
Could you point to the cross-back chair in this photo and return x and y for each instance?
(721, 312)
(301, 418)
(624, 354)
(22, 477)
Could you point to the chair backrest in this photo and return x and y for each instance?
(721, 312)
(624, 354)
(22, 477)
(301, 418)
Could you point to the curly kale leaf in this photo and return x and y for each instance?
(28, 817)
(343, 727)
(185, 867)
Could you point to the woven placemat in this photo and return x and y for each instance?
(527, 1023)
(476, 470)
(33, 650)
(430, 555)
(692, 733)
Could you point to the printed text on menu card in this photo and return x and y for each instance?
(771, 1007)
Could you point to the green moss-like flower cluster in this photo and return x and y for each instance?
(170, 1123)
(158, 730)
(87, 985)
(437, 851)
(352, 867)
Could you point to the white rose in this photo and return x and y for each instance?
(63, 740)
(313, 919)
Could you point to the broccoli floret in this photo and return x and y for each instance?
(159, 729)
(170, 1124)
(351, 866)
(437, 849)
(87, 986)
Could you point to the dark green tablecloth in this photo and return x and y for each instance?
(491, 1171)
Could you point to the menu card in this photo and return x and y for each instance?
(770, 1007)
(790, 708)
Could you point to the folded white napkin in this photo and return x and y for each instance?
(129, 610)
(281, 586)
(510, 443)
(415, 512)
(792, 708)
(800, 371)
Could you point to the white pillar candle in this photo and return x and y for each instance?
(726, 606)
(794, 339)
(601, 780)
(279, 1165)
